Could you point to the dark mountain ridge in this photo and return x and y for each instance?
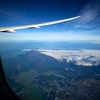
(29, 60)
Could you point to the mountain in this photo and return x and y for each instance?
(29, 60)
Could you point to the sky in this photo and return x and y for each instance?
(23, 12)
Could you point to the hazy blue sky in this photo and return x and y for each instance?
(21, 12)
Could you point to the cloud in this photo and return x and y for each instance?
(82, 26)
(90, 16)
(90, 12)
(12, 15)
(79, 57)
(24, 50)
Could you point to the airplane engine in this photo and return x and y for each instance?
(9, 31)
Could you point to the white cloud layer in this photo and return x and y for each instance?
(26, 50)
(79, 57)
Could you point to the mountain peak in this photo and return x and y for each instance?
(33, 55)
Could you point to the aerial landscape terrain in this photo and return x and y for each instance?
(34, 71)
(50, 49)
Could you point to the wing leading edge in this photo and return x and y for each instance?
(13, 28)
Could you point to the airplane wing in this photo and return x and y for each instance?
(13, 28)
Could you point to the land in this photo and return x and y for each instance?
(36, 76)
(33, 74)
